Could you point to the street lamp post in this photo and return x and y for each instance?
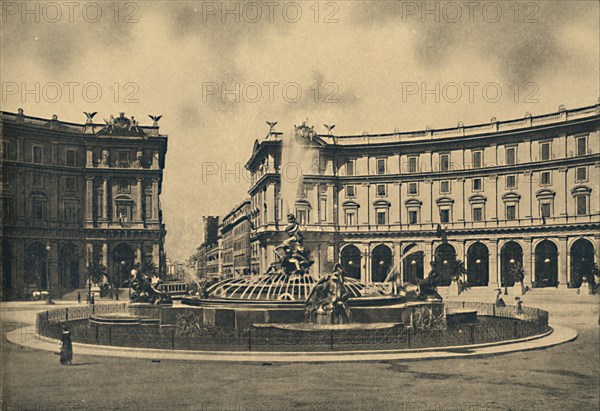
(123, 273)
(512, 265)
(49, 299)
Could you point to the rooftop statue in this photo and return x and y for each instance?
(305, 132)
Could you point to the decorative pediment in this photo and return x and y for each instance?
(477, 199)
(350, 204)
(444, 201)
(123, 198)
(545, 193)
(512, 196)
(581, 190)
(303, 203)
(381, 203)
(413, 202)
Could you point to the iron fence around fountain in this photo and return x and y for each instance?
(507, 323)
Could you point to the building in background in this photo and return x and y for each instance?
(235, 231)
(74, 193)
(522, 191)
(206, 260)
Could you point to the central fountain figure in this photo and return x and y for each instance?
(294, 257)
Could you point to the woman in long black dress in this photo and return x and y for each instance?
(66, 347)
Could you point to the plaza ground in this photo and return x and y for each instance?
(565, 377)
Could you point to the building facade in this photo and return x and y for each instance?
(206, 260)
(235, 232)
(519, 192)
(74, 193)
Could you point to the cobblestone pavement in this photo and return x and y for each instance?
(566, 377)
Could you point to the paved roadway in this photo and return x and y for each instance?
(566, 377)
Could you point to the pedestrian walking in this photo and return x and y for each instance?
(78, 297)
(66, 346)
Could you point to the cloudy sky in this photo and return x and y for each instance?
(217, 72)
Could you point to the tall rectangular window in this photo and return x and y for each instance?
(581, 146)
(70, 212)
(477, 184)
(477, 159)
(71, 157)
(444, 187)
(412, 189)
(4, 150)
(545, 178)
(511, 155)
(477, 214)
(545, 154)
(350, 217)
(444, 162)
(382, 217)
(350, 191)
(350, 168)
(381, 191)
(123, 159)
(444, 215)
(38, 209)
(36, 180)
(381, 166)
(511, 212)
(412, 164)
(581, 205)
(511, 181)
(37, 154)
(302, 217)
(545, 210)
(413, 217)
(581, 174)
(323, 209)
(70, 183)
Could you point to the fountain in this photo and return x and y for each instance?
(291, 293)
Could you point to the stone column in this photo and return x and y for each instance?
(427, 257)
(460, 182)
(562, 262)
(21, 205)
(562, 195)
(494, 264)
(104, 199)
(492, 208)
(89, 199)
(105, 255)
(527, 200)
(528, 262)
(138, 203)
(155, 215)
(156, 254)
(89, 254)
(89, 158)
(427, 201)
(138, 253)
(53, 266)
(597, 249)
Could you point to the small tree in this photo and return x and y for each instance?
(454, 269)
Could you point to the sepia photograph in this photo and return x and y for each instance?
(300, 205)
